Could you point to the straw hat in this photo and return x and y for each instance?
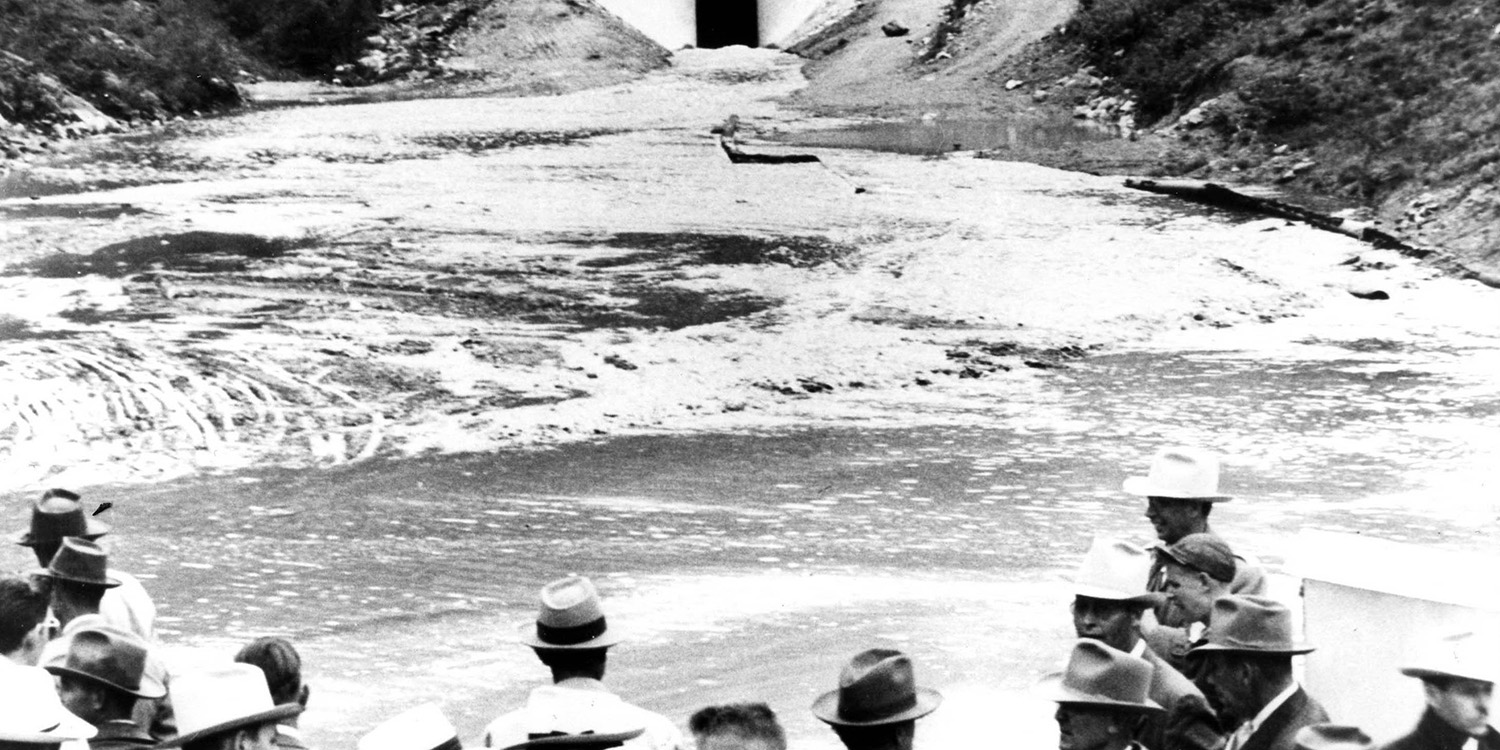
(1114, 570)
(571, 617)
(1202, 552)
(110, 657)
(1250, 624)
(231, 696)
(80, 561)
(1469, 655)
(1183, 473)
(585, 741)
(33, 713)
(421, 728)
(1332, 737)
(877, 686)
(59, 514)
(1101, 675)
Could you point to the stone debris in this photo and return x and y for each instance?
(413, 43)
(894, 28)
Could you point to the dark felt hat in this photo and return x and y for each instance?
(58, 514)
(876, 687)
(1203, 552)
(110, 657)
(1252, 625)
(80, 561)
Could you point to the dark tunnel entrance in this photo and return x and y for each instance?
(725, 22)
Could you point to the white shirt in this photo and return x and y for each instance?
(1240, 735)
(577, 705)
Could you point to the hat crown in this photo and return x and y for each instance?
(421, 728)
(80, 560)
(221, 695)
(1107, 674)
(876, 684)
(1251, 623)
(57, 515)
(1180, 472)
(33, 712)
(112, 656)
(1332, 737)
(1113, 569)
(1206, 553)
(1467, 655)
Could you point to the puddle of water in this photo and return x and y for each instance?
(718, 249)
(69, 210)
(198, 252)
(941, 136)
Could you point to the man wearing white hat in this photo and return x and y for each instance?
(572, 637)
(33, 717)
(226, 708)
(1102, 699)
(1458, 675)
(1181, 489)
(1109, 595)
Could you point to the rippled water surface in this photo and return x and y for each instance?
(750, 566)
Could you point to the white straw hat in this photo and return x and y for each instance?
(226, 697)
(1114, 570)
(1469, 655)
(421, 728)
(33, 713)
(1180, 472)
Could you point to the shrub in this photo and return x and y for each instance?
(307, 35)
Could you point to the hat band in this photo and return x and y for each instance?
(857, 710)
(571, 634)
(549, 735)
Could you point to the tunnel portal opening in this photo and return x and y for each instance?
(722, 23)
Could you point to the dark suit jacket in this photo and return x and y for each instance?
(1432, 733)
(1187, 723)
(121, 735)
(1279, 731)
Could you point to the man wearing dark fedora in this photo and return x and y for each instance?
(1102, 699)
(1458, 675)
(77, 578)
(60, 514)
(877, 703)
(1109, 595)
(101, 680)
(572, 638)
(228, 707)
(1246, 672)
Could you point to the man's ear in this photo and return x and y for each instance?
(302, 695)
(1433, 692)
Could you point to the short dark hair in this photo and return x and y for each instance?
(746, 720)
(572, 659)
(22, 607)
(281, 663)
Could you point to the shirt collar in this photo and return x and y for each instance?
(1270, 707)
(289, 730)
(1139, 650)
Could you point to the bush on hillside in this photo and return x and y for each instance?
(310, 36)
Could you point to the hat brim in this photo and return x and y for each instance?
(526, 635)
(278, 713)
(108, 582)
(1214, 648)
(581, 741)
(93, 529)
(1434, 673)
(1054, 690)
(826, 708)
(70, 728)
(1143, 487)
(150, 688)
(1144, 599)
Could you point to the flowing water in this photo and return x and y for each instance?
(750, 566)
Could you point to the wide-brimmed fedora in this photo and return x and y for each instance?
(1332, 737)
(877, 686)
(1250, 624)
(222, 699)
(110, 657)
(33, 713)
(1101, 675)
(583, 741)
(1115, 570)
(421, 728)
(1182, 473)
(59, 514)
(571, 617)
(80, 561)
(1468, 655)
(1203, 552)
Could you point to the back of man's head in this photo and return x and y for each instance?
(569, 663)
(895, 736)
(282, 665)
(737, 726)
(22, 609)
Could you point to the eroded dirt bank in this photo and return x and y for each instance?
(319, 285)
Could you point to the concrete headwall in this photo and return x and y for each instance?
(779, 18)
(674, 23)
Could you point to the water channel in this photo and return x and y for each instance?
(750, 566)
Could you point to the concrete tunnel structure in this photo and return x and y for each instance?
(675, 24)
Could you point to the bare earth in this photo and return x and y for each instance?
(325, 284)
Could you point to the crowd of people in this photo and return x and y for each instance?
(1178, 648)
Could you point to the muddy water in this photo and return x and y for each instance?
(943, 135)
(749, 566)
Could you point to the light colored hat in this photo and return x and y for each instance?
(1101, 675)
(421, 728)
(1469, 655)
(1114, 570)
(1250, 624)
(877, 686)
(1332, 737)
(33, 713)
(585, 741)
(578, 720)
(1182, 473)
(571, 617)
(231, 696)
